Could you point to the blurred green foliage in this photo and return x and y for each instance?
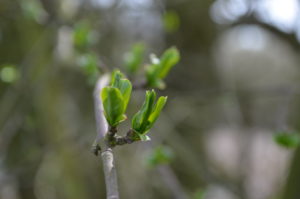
(160, 155)
(33, 10)
(199, 194)
(9, 73)
(160, 68)
(171, 21)
(90, 66)
(287, 139)
(83, 35)
(134, 58)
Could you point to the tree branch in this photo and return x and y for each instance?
(107, 156)
(290, 38)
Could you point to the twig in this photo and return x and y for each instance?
(107, 156)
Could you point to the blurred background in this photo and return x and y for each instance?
(234, 89)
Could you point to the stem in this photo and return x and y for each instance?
(110, 174)
(107, 156)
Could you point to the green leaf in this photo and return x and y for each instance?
(133, 60)
(113, 104)
(158, 70)
(156, 111)
(287, 140)
(124, 85)
(140, 119)
(167, 61)
(144, 119)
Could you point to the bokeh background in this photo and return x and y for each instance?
(234, 89)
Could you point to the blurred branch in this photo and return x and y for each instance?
(290, 38)
(171, 181)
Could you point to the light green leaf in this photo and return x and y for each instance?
(140, 119)
(156, 111)
(133, 60)
(113, 104)
(124, 85)
(167, 61)
(157, 71)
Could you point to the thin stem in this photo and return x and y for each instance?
(112, 191)
(107, 156)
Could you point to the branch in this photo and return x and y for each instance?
(290, 38)
(101, 123)
(106, 153)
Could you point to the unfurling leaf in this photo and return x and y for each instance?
(124, 85)
(113, 104)
(156, 111)
(140, 119)
(144, 119)
(158, 70)
(115, 98)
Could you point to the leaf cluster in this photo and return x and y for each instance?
(115, 99)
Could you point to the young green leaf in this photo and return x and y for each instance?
(156, 111)
(140, 119)
(158, 70)
(167, 61)
(124, 85)
(287, 140)
(114, 106)
(144, 119)
(133, 59)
